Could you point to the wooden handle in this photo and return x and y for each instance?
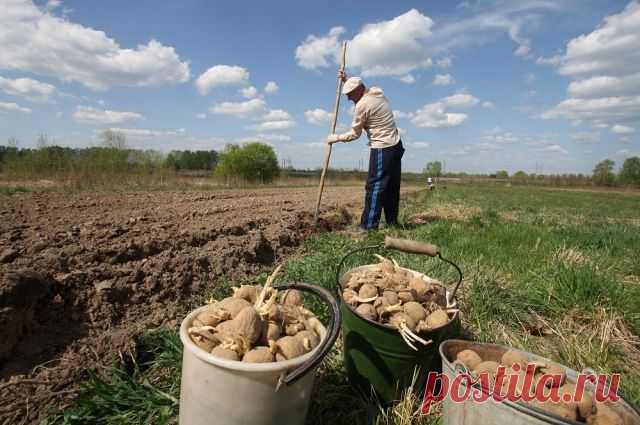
(414, 247)
(333, 130)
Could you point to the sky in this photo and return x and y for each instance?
(546, 86)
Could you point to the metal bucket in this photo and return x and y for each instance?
(493, 412)
(376, 357)
(218, 391)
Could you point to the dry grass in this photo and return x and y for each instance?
(586, 340)
(449, 212)
(571, 256)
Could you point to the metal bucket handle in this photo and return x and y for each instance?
(411, 247)
(333, 328)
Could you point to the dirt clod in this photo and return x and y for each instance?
(111, 265)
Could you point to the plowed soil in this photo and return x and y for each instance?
(82, 274)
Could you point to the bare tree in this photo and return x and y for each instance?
(113, 139)
(43, 141)
(12, 142)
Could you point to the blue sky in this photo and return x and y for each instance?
(533, 85)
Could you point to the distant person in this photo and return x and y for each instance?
(373, 114)
(430, 183)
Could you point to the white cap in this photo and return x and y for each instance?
(351, 84)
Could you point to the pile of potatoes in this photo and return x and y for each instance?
(587, 410)
(392, 296)
(257, 325)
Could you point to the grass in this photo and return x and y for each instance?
(152, 183)
(536, 262)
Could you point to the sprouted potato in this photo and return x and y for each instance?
(396, 297)
(257, 325)
(584, 411)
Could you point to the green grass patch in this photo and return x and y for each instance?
(552, 272)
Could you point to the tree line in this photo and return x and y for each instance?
(603, 174)
(251, 162)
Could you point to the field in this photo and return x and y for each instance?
(555, 272)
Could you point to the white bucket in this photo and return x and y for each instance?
(218, 391)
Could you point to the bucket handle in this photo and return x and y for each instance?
(335, 318)
(408, 246)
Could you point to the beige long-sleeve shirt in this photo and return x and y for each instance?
(373, 114)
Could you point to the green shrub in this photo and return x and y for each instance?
(252, 162)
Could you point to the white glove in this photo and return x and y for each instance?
(332, 138)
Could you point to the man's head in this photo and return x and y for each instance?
(354, 89)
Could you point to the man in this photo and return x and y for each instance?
(373, 114)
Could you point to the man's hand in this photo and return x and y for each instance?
(332, 138)
(342, 75)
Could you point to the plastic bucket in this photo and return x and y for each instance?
(376, 357)
(218, 391)
(493, 412)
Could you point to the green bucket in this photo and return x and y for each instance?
(376, 357)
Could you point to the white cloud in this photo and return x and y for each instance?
(394, 47)
(249, 92)
(493, 140)
(622, 129)
(545, 145)
(52, 4)
(499, 136)
(256, 110)
(400, 115)
(522, 50)
(539, 142)
(487, 146)
(605, 66)
(274, 125)
(89, 115)
(554, 149)
(408, 79)
(436, 115)
(553, 60)
(318, 116)
(273, 137)
(271, 87)
(604, 86)
(13, 107)
(251, 109)
(35, 41)
(420, 145)
(443, 80)
(444, 62)
(487, 104)
(406, 43)
(482, 25)
(600, 111)
(201, 116)
(143, 133)
(221, 75)
(276, 115)
(315, 51)
(463, 150)
(460, 100)
(611, 49)
(33, 90)
(586, 138)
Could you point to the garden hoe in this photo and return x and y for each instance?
(333, 130)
